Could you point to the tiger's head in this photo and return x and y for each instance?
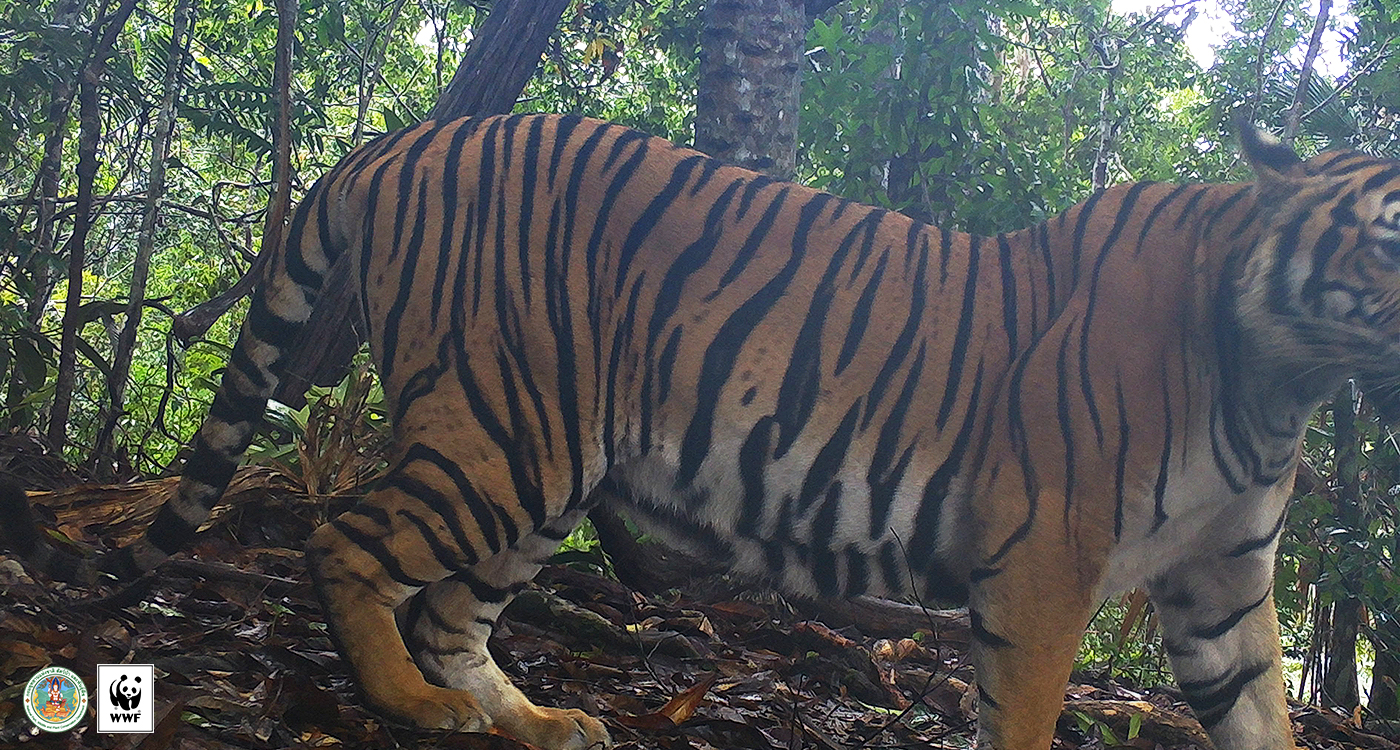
(1320, 285)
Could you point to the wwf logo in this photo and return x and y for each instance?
(126, 695)
(126, 698)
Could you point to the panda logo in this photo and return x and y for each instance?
(126, 695)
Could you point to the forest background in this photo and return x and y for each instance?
(138, 147)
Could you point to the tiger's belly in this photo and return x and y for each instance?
(830, 543)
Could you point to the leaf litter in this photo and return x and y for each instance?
(243, 658)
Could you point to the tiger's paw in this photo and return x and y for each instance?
(442, 708)
(558, 729)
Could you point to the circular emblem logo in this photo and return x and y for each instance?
(55, 699)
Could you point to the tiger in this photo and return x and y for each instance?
(825, 395)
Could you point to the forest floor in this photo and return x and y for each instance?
(243, 660)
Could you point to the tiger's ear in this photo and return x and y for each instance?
(1273, 161)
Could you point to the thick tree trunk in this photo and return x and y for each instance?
(145, 239)
(502, 57)
(750, 83)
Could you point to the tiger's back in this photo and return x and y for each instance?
(602, 326)
(825, 394)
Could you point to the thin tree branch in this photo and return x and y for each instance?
(90, 124)
(146, 238)
(1260, 57)
(1295, 111)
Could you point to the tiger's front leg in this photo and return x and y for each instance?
(447, 627)
(1029, 604)
(1221, 633)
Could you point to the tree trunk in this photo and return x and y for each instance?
(145, 240)
(45, 210)
(1385, 673)
(750, 83)
(89, 129)
(502, 57)
(1339, 682)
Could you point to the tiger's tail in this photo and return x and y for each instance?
(280, 306)
(21, 534)
(278, 312)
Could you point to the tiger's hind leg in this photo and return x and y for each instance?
(365, 563)
(447, 627)
(1220, 629)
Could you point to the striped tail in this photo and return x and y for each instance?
(20, 534)
(280, 308)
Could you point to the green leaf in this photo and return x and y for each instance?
(31, 363)
(391, 120)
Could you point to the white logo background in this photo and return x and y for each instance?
(126, 698)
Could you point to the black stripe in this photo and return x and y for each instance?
(800, 386)
(395, 317)
(857, 573)
(482, 510)
(1159, 491)
(210, 467)
(982, 634)
(269, 327)
(1188, 211)
(293, 241)
(883, 479)
(667, 299)
(563, 128)
(1008, 294)
(821, 474)
(1152, 215)
(375, 547)
(753, 458)
(422, 382)
(1211, 632)
(1252, 545)
(559, 311)
(860, 316)
(890, 570)
(650, 217)
(1064, 415)
(904, 344)
(481, 591)
(1126, 210)
(945, 252)
(722, 352)
(1385, 175)
(754, 241)
(1081, 226)
(450, 242)
(1212, 700)
(242, 363)
(958, 355)
(923, 544)
(446, 556)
